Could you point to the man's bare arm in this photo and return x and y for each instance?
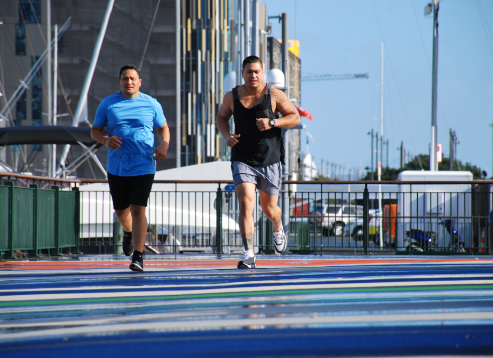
(284, 106)
(162, 150)
(223, 117)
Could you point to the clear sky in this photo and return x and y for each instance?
(344, 37)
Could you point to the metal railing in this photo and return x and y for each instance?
(324, 216)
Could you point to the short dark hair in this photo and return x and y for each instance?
(251, 59)
(128, 67)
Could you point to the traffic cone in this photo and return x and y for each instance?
(483, 248)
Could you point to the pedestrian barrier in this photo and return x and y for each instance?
(202, 217)
(34, 219)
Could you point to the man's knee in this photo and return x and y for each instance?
(246, 205)
(137, 211)
(272, 211)
(122, 214)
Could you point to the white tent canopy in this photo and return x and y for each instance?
(184, 205)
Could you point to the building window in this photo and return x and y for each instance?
(21, 109)
(30, 11)
(36, 100)
(20, 39)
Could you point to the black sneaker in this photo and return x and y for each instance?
(137, 262)
(128, 244)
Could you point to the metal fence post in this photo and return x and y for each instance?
(35, 219)
(11, 219)
(365, 219)
(219, 220)
(56, 250)
(77, 219)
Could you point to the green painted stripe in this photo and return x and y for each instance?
(236, 294)
(236, 303)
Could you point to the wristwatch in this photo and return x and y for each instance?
(272, 123)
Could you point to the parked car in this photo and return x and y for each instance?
(355, 228)
(334, 218)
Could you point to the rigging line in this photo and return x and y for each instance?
(20, 89)
(10, 36)
(421, 35)
(481, 15)
(396, 83)
(60, 83)
(372, 109)
(38, 23)
(45, 93)
(22, 149)
(20, 67)
(149, 35)
(32, 50)
(484, 16)
(442, 113)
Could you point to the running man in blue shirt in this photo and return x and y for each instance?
(129, 117)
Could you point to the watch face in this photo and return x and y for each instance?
(272, 123)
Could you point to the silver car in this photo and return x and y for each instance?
(334, 218)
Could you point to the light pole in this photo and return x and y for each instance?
(434, 7)
(371, 133)
(387, 156)
(491, 126)
(376, 149)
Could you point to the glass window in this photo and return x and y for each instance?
(37, 147)
(21, 109)
(20, 39)
(30, 11)
(333, 209)
(36, 100)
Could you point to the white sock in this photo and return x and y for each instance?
(279, 230)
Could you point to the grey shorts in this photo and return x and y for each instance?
(267, 179)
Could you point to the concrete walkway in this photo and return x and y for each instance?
(290, 306)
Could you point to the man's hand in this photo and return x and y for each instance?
(263, 124)
(232, 140)
(161, 151)
(113, 142)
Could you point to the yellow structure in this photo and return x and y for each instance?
(294, 47)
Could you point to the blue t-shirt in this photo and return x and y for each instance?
(132, 119)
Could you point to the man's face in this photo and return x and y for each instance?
(130, 83)
(253, 74)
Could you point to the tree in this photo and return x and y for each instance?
(423, 162)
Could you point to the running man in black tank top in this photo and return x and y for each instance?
(256, 150)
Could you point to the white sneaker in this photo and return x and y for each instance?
(248, 260)
(280, 241)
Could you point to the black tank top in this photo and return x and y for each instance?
(256, 148)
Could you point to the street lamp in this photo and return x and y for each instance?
(491, 126)
(434, 7)
(371, 133)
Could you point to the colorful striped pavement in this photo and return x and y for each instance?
(290, 306)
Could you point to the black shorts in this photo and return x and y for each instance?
(130, 190)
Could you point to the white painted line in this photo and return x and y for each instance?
(242, 283)
(173, 325)
(165, 293)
